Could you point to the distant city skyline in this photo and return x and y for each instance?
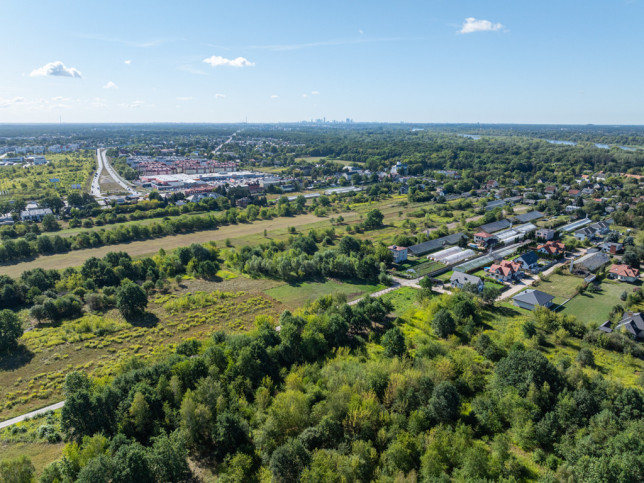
(370, 61)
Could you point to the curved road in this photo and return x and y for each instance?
(103, 163)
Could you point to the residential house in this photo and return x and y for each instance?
(612, 247)
(545, 234)
(399, 253)
(602, 227)
(633, 324)
(491, 184)
(571, 208)
(552, 248)
(35, 214)
(592, 261)
(6, 219)
(506, 271)
(460, 279)
(529, 260)
(531, 299)
(485, 240)
(624, 273)
(586, 233)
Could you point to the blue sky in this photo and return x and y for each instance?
(415, 61)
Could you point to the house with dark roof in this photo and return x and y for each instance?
(592, 261)
(495, 226)
(460, 279)
(495, 204)
(586, 233)
(433, 245)
(531, 299)
(529, 260)
(633, 324)
(530, 216)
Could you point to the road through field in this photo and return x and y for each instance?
(18, 419)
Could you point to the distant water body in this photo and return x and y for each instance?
(597, 145)
(471, 136)
(567, 143)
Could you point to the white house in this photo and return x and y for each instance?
(399, 253)
(460, 279)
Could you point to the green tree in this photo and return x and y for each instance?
(19, 470)
(585, 357)
(373, 220)
(288, 461)
(394, 342)
(49, 223)
(10, 330)
(131, 299)
(443, 323)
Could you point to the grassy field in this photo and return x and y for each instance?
(316, 159)
(296, 295)
(594, 308)
(40, 454)
(70, 168)
(99, 344)
(239, 235)
(402, 299)
(562, 287)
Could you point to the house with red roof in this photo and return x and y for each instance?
(624, 273)
(552, 248)
(506, 271)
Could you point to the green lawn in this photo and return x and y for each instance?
(593, 308)
(402, 299)
(561, 286)
(297, 295)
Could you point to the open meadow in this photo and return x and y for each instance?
(33, 181)
(395, 211)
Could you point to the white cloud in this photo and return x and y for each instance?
(220, 96)
(110, 85)
(127, 62)
(360, 31)
(56, 69)
(305, 95)
(184, 99)
(472, 25)
(274, 96)
(315, 93)
(134, 105)
(217, 61)
(10, 102)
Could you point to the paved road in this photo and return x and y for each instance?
(103, 163)
(225, 142)
(17, 419)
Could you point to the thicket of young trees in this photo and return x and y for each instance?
(307, 402)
